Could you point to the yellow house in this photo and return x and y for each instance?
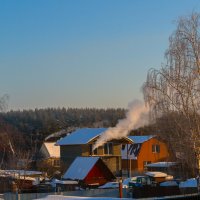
(49, 157)
(80, 143)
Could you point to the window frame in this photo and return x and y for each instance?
(56, 163)
(155, 148)
(109, 148)
(123, 146)
(92, 152)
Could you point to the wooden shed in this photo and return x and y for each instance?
(89, 171)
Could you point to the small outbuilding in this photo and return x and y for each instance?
(172, 168)
(89, 171)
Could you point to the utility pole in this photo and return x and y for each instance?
(127, 159)
(120, 188)
(130, 166)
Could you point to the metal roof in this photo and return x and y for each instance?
(80, 168)
(140, 139)
(81, 136)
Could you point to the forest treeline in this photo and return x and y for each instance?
(30, 127)
(47, 121)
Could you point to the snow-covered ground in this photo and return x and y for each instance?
(59, 197)
(169, 183)
(109, 185)
(125, 184)
(192, 182)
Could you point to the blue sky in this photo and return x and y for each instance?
(83, 53)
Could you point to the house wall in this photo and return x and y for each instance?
(69, 152)
(49, 165)
(146, 153)
(96, 176)
(43, 152)
(85, 150)
(117, 149)
(67, 155)
(54, 162)
(127, 164)
(113, 161)
(100, 151)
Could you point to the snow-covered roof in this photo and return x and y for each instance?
(140, 139)
(52, 149)
(20, 172)
(192, 182)
(81, 136)
(168, 183)
(56, 134)
(162, 164)
(80, 168)
(109, 185)
(63, 182)
(60, 197)
(156, 174)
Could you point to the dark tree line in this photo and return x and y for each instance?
(46, 121)
(13, 144)
(22, 132)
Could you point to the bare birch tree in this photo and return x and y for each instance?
(3, 107)
(3, 102)
(173, 92)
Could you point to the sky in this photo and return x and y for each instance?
(83, 53)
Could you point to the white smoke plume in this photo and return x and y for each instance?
(136, 116)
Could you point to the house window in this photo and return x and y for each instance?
(108, 148)
(56, 163)
(145, 163)
(123, 146)
(92, 152)
(156, 148)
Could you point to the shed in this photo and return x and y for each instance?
(172, 168)
(89, 171)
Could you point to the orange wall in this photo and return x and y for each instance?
(146, 153)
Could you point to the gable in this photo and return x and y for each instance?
(52, 150)
(140, 139)
(99, 172)
(150, 152)
(49, 150)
